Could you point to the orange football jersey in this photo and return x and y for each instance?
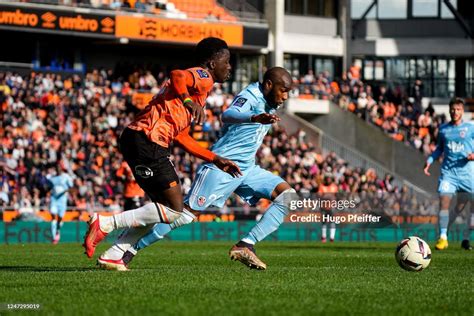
(165, 116)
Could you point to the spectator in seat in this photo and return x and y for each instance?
(417, 94)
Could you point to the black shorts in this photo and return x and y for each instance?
(150, 163)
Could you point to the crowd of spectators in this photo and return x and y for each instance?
(313, 174)
(163, 8)
(398, 113)
(49, 120)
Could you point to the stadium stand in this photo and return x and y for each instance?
(388, 109)
(208, 10)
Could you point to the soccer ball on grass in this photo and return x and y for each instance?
(413, 254)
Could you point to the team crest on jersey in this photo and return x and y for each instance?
(202, 73)
(240, 102)
(201, 200)
(462, 134)
(445, 186)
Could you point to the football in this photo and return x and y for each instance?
(413, 254)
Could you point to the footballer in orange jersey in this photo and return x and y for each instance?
(145, 145)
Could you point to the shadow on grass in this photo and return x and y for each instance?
(332, 247)
(46, 269)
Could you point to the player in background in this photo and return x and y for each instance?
(246, 123)
(456, 142)
(145, 145)
(60, 184)
(327, 191)
(132, 194)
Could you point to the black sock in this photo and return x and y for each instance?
(127, 257)
(244, 244)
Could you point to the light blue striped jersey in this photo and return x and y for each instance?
(456, 142)
(240, 141)
(60, 185)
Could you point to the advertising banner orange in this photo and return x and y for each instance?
(180, 31)
(56, 20)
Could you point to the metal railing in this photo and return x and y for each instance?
(357, 159)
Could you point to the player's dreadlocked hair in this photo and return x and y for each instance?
(208, 48)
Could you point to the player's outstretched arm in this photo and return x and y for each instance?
(234, 116)
(191, 146)
(180, 81)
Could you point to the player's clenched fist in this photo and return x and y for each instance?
(265, 118)
(197, 111)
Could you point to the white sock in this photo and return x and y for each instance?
(133, 235)
(125, 241)
(332, 231)
(159, 231)
(248, 241)
(150, 213)
(323, 230)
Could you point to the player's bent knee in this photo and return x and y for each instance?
(191, 210)
(166, 214)
(285, 197)
(173, 216)
(186, 218)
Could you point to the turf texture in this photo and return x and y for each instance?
(198, 278)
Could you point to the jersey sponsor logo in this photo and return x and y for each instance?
(201, 200)
(239, 102)
(202, 73)
(143, 171)
(456, 147)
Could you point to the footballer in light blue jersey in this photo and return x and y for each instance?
(456, 143)
(241, 138)
(60, 185)
(246, 122)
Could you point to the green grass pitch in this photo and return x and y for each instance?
(177, 278)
